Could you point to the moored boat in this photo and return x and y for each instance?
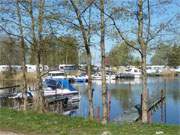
(81, 78)
(59, 75)
(53, 88)
(98, 76)
(130, 73)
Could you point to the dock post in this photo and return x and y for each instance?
(60, 107)
(109, 104)
(141, 106)
(165, 111)
(97, 114)
(149, 117)
(162, 106)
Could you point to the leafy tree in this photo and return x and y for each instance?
(82, 57)
(8, 49)
(167, 55)
(174, 56)
(62, 50)
(161, 55)
(120, 55)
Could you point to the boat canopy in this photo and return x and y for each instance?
(59, 83)
(64, 83)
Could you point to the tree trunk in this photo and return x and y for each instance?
(41, 101)
(143, 59)
(103, 72)
(88, 53)
(22, 48)
(90, 91)
(145, 92)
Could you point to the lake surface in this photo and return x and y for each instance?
(124, 94)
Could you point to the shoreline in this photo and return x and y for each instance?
(28, 122)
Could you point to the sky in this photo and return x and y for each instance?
(161, 13)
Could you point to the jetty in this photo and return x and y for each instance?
(8, 91)
(134, 113)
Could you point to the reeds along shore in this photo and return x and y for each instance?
(31, 77)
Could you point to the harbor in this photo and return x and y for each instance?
(125, 94)
(89, 67)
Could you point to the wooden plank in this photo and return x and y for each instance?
(155, 103)
(9, 87)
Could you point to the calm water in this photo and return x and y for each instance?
(126, 93)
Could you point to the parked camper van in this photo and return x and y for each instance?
(4, 68)
(32, 68)
(16, 68)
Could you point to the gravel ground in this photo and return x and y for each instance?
(9, 133)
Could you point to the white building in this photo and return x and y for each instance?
(4, 68)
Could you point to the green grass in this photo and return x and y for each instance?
(32, 123)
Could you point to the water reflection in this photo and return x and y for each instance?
(124, 95)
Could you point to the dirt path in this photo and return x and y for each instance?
(9, 133)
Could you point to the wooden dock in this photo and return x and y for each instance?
(55, 98)
(134, 114)
(8, 91)
(9, 87)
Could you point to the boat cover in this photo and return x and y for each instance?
(64, 83)
(59, 83)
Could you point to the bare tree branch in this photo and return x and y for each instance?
(118, 30)
(89, 5)
(12, 34)
(159, 30)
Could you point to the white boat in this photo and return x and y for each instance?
(177, 69)
(61, 87)
(52, 87)
(81, 78)
(97, 76)
(59, 75)
(155, 69)
(130, 73)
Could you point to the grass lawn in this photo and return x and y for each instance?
(32, 123)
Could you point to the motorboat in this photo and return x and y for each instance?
(98, 76)
(81, 78)
(62, 87)
(54, 88)
(155, 69)
(59, 75)
(130, 73)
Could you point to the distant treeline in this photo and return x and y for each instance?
(56, 50)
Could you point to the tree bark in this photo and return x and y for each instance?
(89, 58)
(23, 56)
(143, 64)
(90, 91)
(41, 101)
(103, 72)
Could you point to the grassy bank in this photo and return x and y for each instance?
(53, 124)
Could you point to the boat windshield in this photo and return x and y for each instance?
(50, 83)
(128, 70)
(56, 74)
(82, 74)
